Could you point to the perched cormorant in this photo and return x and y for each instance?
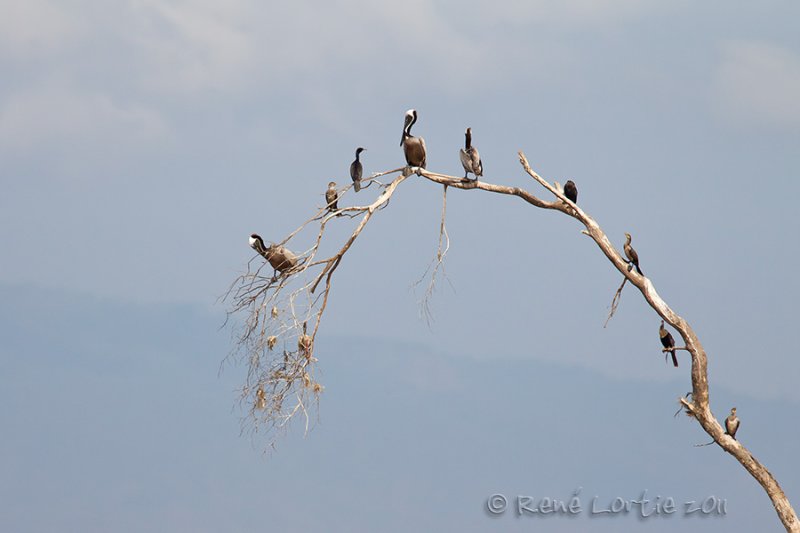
(571, 191)
(667, 342)
(470, 158)
(732, 424)
(356, 170)
(631, 254)
(413, 147)
(280, 257)
(332, 197)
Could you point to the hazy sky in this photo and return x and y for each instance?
(142, 141)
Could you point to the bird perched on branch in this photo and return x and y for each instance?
(732, 424)
(630, 253)
(413, 147)
(470, 158)
(280, 257)
(356, 170)
(667, 342)
(571, 191)
(332, 197)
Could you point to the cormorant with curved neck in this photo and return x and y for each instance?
(413, 147)
(631, 254)
(356, 170)
(332, 197)
(571, 191)
(470, 159)
(732, 424)
(667, 342)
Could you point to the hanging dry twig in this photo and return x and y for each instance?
(615, 301)
(436, 265)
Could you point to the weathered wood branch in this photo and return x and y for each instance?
(699, 407)
(255, 293)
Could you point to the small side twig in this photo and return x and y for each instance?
(615, 301)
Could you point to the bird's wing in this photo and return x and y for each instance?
(477, 166)
(466, 160)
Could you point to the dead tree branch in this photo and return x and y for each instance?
(276, 307)
(699, 407)
(277, 310)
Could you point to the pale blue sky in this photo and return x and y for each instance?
(142, 141)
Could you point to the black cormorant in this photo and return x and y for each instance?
(667, 342)
(356, 170)
(571, 191)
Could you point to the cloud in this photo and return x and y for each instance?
(757, 83)
(34, 27)
(53, 112)
(189, 46)
(559, 14)
(202, 47)
(246, 46)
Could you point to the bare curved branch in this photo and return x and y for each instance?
(276, 307)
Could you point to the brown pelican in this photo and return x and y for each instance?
(667, 342)
(571, 191)
(732, 424)
(356, 170)
(332, 197)
(280, 257)
(470, 159)
(631, 254)
(413, 147)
